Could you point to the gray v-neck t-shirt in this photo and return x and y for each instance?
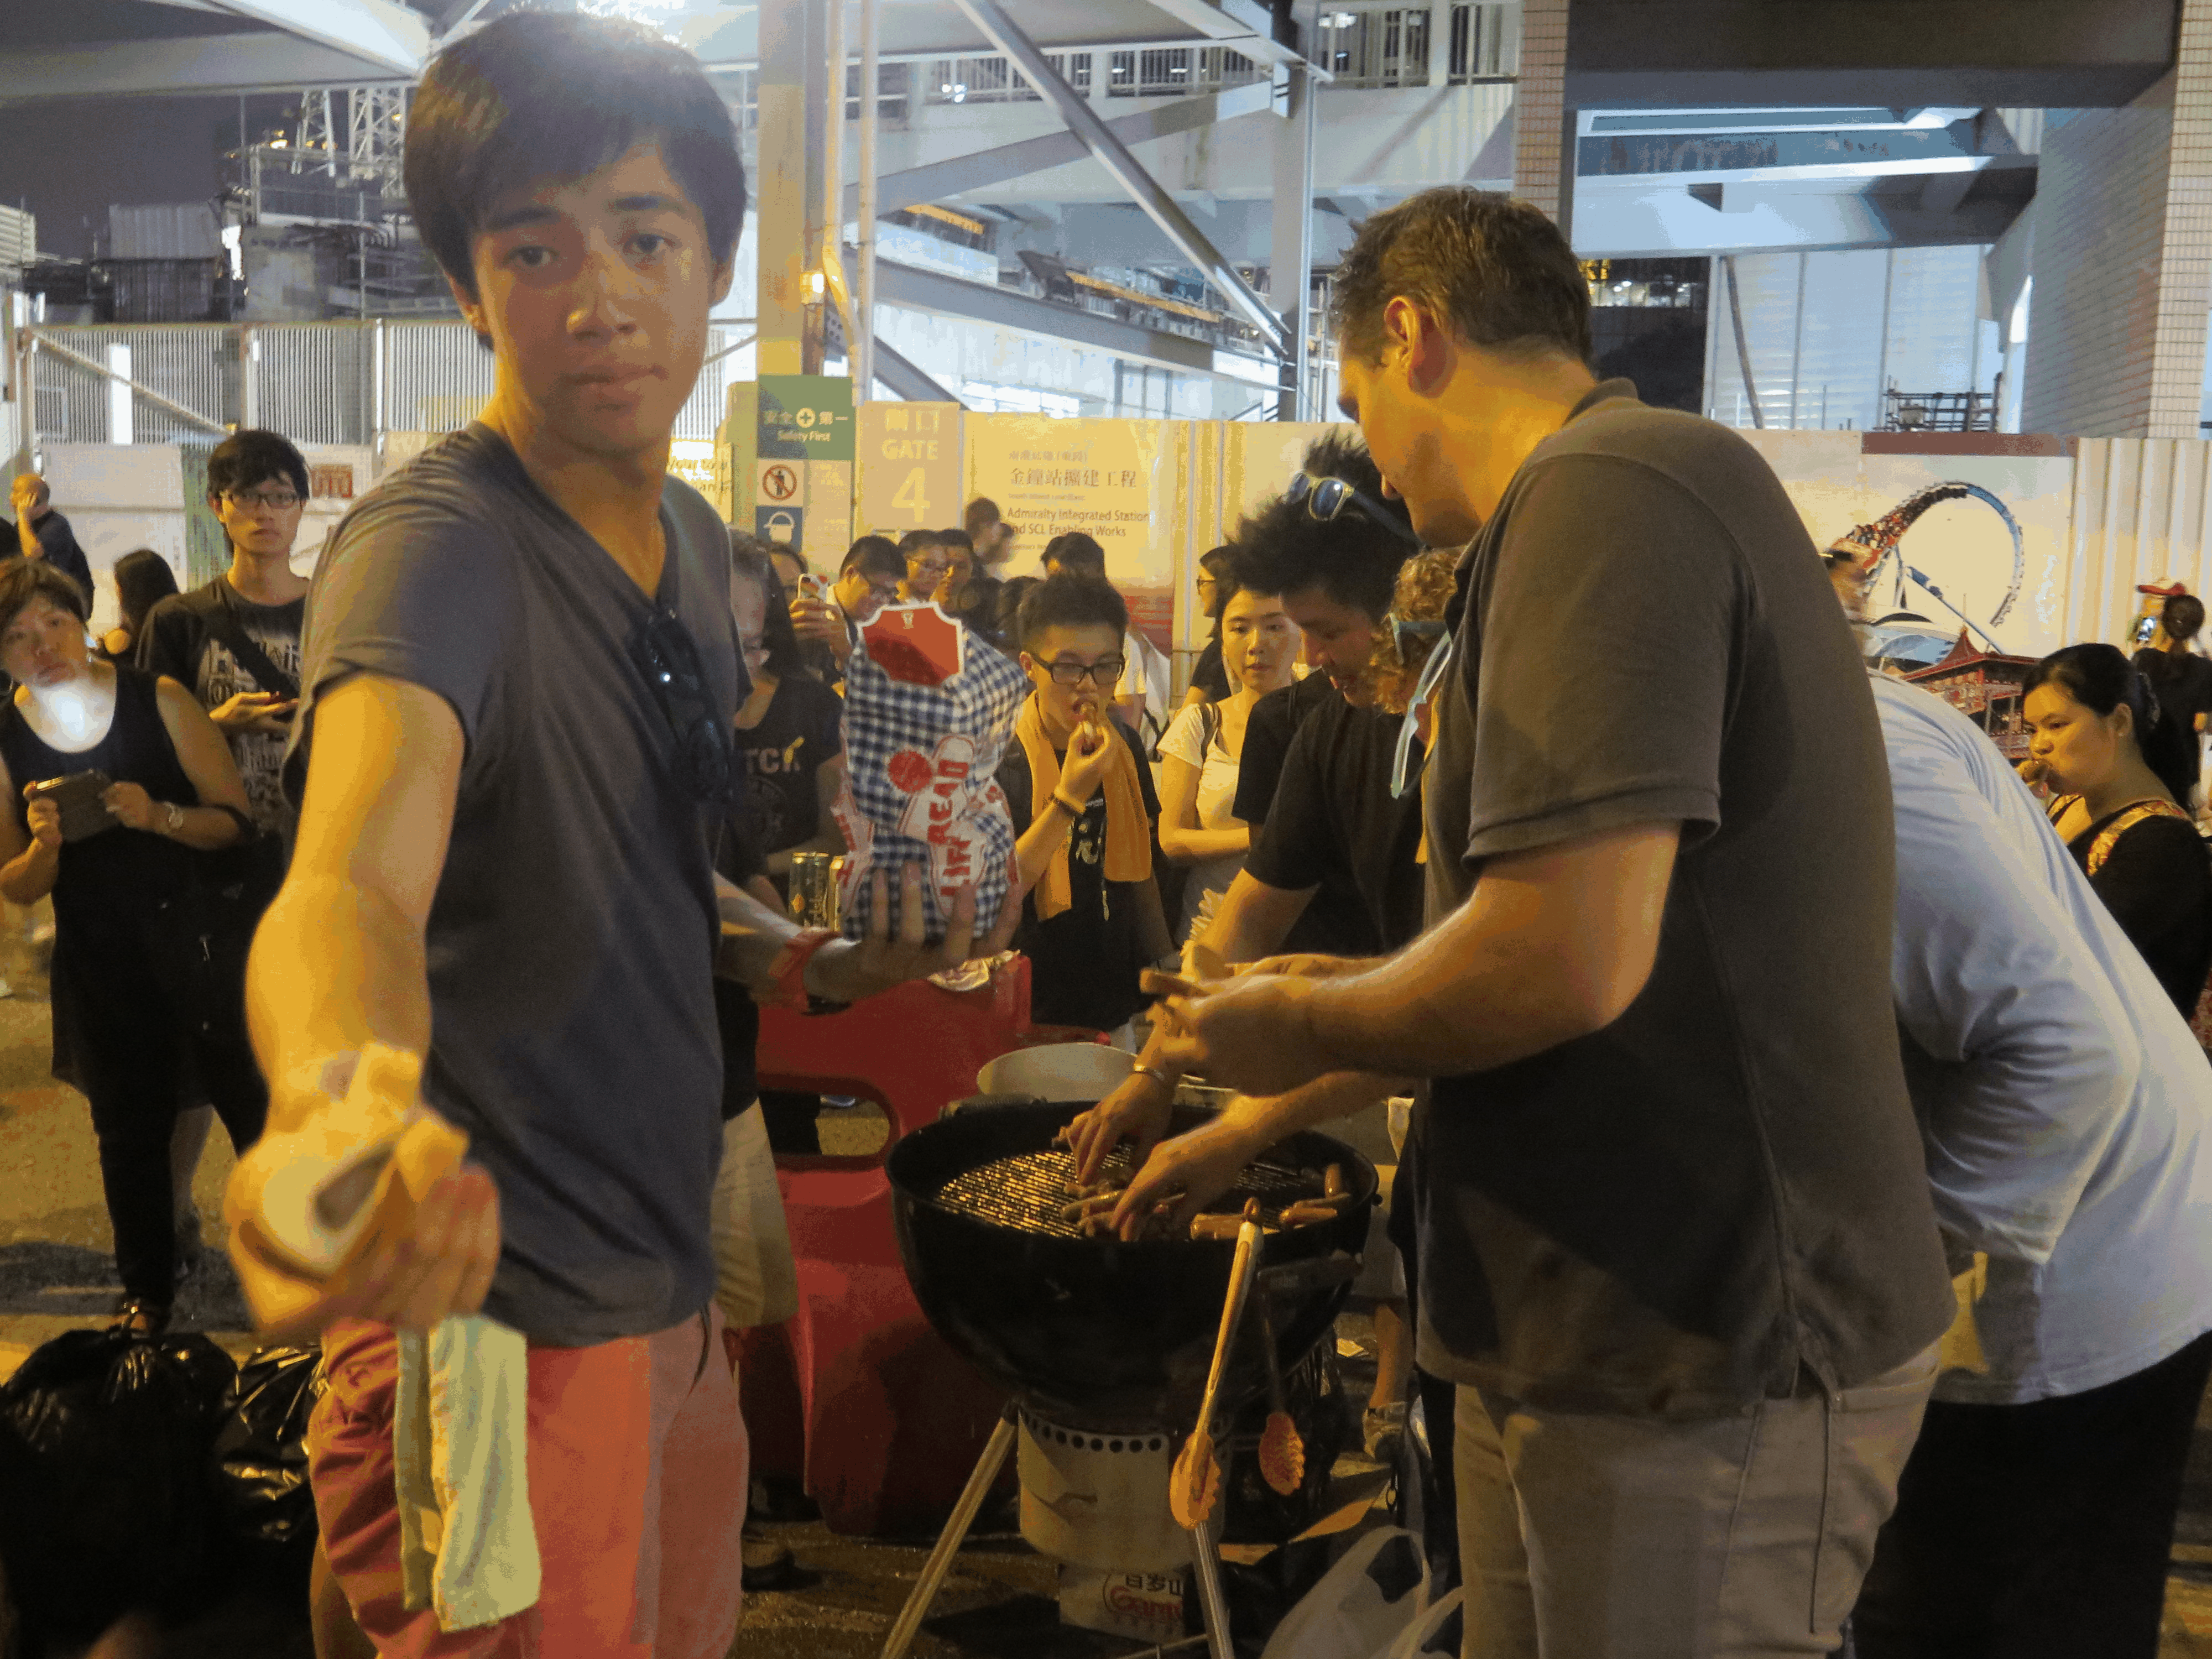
(571, 941)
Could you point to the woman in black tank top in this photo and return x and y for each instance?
(131, 998)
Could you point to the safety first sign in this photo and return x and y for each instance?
(804, 450)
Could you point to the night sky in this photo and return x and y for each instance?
(67, 161)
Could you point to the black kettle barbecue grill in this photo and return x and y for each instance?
(1104, 1345)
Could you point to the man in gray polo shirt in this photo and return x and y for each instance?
(1677, 1246)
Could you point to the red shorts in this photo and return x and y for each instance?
(637, 1464)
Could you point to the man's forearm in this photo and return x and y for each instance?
(1253, 919)
(334, 967)
(753, 933)
(1325, 1100)
(1553, 945)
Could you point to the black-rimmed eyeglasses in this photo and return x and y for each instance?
(1326, 499)
(1106, 672)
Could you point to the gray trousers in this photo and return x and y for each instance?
(1589, 1535)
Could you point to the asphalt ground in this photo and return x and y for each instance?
(1000, 1602)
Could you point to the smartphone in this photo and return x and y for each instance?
(78, 795)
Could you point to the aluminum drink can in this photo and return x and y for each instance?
(810, 880)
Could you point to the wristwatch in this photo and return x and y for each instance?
(173, 817)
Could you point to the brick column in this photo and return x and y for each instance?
(2122, 258)
(1543, 162)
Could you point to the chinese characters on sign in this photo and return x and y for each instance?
(909, 462)
(804, 484)
(1109, 478)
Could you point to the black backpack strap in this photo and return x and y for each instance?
(222, 621)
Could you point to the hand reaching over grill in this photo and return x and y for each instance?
(1138, 1110)
(1184, 1174)
(1249, 1033)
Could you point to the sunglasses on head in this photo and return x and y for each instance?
(1327, 498)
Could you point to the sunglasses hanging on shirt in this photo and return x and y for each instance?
(663, 651)
(1405, 771)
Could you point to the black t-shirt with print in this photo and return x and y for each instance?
(1335, 825)
(180, 642)
(796, 737)
(1084, 963)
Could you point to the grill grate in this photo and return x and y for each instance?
(1028, 1191)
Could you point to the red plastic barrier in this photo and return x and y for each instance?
(857, 1395)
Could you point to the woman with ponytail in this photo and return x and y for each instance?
(2125, 772)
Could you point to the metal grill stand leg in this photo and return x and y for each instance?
(1205, 1556)
(949, 1541)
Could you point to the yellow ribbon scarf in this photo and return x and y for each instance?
(1129, 829)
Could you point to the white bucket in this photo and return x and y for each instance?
(1057, 1071)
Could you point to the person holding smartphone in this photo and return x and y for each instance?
(234, 641)
(134, 998)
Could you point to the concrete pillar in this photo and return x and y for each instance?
(780, 191)
(2121, 259)
(1290, 265)
(1543, 127)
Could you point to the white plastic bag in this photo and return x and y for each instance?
(1347, 1615)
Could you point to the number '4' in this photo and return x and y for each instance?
(909, 497)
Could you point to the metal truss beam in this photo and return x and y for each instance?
(181, 67)
(901, 376)
(1242, 24)
(992, 18)
(958, 176)
(382, 34)
(952, 296)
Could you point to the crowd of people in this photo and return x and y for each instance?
(1805, 1215)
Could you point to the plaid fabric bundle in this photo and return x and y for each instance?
(919, 789)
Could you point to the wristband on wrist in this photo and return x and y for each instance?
(173, 817)
(789, 969)
(1156, 1074)
(1066, 804)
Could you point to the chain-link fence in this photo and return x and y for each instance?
(322, 383)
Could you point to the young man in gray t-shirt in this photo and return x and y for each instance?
(1677, 1247)
(520, 675)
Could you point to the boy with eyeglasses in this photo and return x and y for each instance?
(1083, 805)
(235, 640)
(234, 644)
(520, 680)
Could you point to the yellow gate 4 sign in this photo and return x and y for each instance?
(909, 462)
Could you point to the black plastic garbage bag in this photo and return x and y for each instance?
(259, 1465)
(103, 1502)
